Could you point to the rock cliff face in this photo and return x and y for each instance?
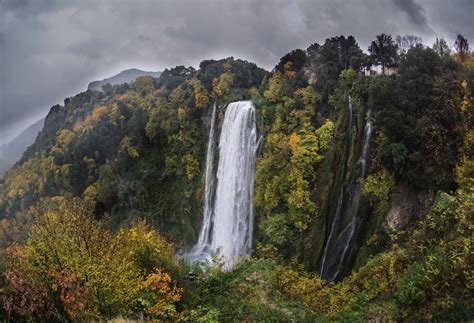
(408, 205)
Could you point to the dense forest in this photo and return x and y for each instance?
(97, 211)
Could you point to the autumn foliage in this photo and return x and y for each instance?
(73, 266)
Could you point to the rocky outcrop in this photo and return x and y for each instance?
(408, 205)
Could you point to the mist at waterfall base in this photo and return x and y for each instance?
(342, 236)
(227, 227)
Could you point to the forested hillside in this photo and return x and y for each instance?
(95, 212)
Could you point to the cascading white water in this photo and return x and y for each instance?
(228, 226)
(233, 210)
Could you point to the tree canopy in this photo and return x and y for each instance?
(383, 50)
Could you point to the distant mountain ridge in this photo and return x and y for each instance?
(11, 152)
(126, 76)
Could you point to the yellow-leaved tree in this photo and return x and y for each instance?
(223, 85)
(72, 265)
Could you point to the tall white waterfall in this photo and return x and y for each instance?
(233, 210)
(228, 225)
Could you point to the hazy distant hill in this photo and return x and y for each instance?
(12, 151)
(126, 76)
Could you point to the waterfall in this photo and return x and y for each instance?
(341, 237)
(228, 226)
(233, 212)
(204, 235)
(337, 215)
(358, 187)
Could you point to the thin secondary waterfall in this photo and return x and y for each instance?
(344, 228)
(204, 234)
(228, 225)
(354, 202)
(337, 215)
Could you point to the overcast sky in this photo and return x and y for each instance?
(51, 49)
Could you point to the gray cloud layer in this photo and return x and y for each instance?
(50, 49)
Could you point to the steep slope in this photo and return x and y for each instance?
(136, 151)
(126, 76)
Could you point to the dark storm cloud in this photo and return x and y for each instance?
(413, 10)
(51, 49)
